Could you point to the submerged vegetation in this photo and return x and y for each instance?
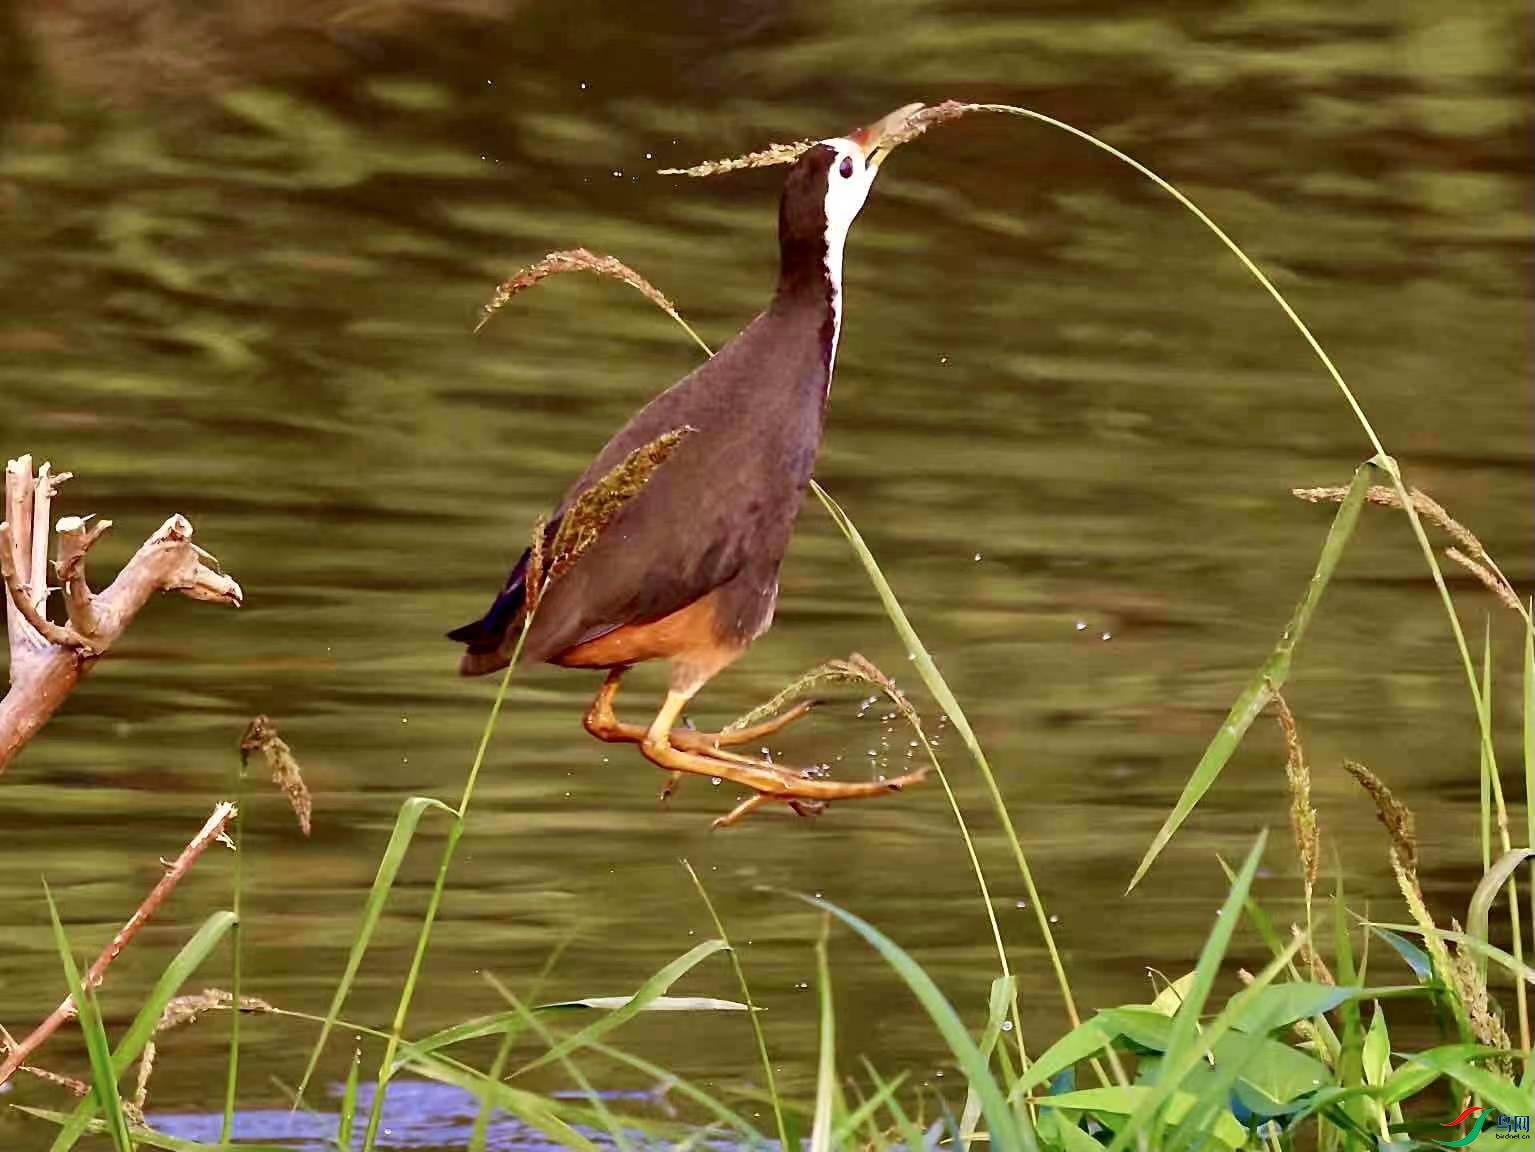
(1301, 1056)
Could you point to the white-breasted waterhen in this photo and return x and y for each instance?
(687, 571)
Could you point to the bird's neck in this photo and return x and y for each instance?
(810, 288)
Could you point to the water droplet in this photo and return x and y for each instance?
(715, 780)
(1023, 904)
(1107, 635)
(1055, 919)
(978, 556)
(1007, 1025)
(1081, 625)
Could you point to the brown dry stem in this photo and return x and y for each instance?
(48, 659)
(211, 831)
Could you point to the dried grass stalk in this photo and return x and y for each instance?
(575, 260)
(1494, 583)
(595, 508)
(1312, 959)
(179, 1012)
(184, 1010)
(212, 831)
(533, 577)
(1399, 824)
(1471, 553)
(1486, 1024)
(261, 736)
(1303, 817)
(918, 122)
(856, 669)
(1394, 815)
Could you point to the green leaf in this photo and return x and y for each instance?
(1417, 959)
(1377, 1050)
(1171, 998)
(647, 992)
(1269, 678)
(1281, 1005)
(88, 1012)
(1001, 1126)
(1455, 1062)
(1083, 1041)
(176, 973)
(1124, 1101)
(405, 825)
(1003, 989)
(1487, 891)
(826, 1065)
(1143, 1026)
(533, 1110)
(659, 1004)
(1270, 1076)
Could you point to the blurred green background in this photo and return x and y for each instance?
(242, 248)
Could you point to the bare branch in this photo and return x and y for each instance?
(76, 538)
(48, 659)
(21, 597)
(211, 831)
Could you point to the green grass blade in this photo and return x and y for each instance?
(1004, 991)
(758, 1032)
(528, 1107)
(191, 957)
(1185, 1041)
(1269, 677)
(1480, 912)
(722, 1112)
(911, 1136)
(656, 986)
(925, 667)
(434, 902)
(88, 1012)
(826, 1065)
(146, 1137)
(1484, 706)
(530, 1020)
(405, 825)
(487, 1108)
(346, 1125)
(844, 1136)
(1004, 1132)
(232, 1081)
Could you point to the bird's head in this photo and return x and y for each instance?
(825, 189)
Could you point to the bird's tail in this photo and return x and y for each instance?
(488, 640)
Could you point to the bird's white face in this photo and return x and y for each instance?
(848, 181)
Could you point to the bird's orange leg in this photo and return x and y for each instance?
(770, 781)
(602, 722)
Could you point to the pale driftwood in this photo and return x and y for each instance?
(47, 658)
(18, 1051)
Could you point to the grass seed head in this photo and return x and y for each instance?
(595, 508)
(1394, 815)
(261, 736)
(1481, 1013)
(1303, 817)
(574, 260)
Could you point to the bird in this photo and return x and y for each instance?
(687, 570)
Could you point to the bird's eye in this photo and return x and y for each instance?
(846, 167)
